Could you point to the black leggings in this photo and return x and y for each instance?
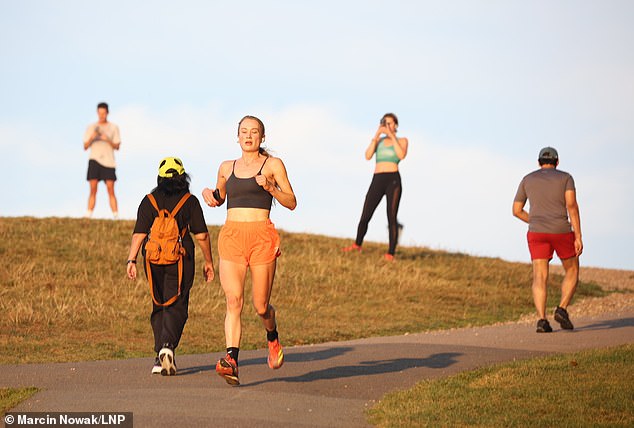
(168, 322)
(388, 184)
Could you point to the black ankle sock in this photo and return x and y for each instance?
(271, 336)
(233, 352)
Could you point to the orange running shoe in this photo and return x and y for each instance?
(227, 368)
(353, 247)
(276, 356)
(389, 257)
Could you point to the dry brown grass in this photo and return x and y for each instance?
(65, 297)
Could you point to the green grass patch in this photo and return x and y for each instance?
(589, 388)
(11, 397)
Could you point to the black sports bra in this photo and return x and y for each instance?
(246, 192)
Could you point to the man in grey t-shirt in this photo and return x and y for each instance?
(554, 225)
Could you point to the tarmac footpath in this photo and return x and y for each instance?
(325, 385)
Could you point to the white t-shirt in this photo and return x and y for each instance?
(100, 150)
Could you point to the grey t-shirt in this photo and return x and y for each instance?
(545, 190)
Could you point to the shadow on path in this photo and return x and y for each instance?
(365, 368)
(609, 324)
(299, 357)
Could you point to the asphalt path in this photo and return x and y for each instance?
(327, 385)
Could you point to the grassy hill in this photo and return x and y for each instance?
(64, 295)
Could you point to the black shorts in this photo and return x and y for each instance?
(98, 172)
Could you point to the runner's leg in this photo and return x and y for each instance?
(262, 277)
(232, 276)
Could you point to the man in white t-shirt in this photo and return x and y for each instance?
(102, 138)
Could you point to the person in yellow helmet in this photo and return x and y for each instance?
(168, 321)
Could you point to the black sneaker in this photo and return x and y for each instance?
(543, 326)
(561, 316)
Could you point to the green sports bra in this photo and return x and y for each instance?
(386, 153)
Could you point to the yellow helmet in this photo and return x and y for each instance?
(168, 166)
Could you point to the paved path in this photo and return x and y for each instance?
(329, 384)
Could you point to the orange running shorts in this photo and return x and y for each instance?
(249, 243)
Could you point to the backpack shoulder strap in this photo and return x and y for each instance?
(153, 201)
(180, 204)
(176, 209)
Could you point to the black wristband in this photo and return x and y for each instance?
(130, 261)
(217, 197)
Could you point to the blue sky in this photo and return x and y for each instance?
(478, 86)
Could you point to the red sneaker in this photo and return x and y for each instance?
(353, 247)
(276, 356)
(227, 368)
(389, 257)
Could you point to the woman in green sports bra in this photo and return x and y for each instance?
(389, 150)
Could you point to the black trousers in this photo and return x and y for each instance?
(168, 322)
(388, 184)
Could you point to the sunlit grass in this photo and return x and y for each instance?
(65, 296)
(589, 388)
(10, 397)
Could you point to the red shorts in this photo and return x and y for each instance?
(249, 243)
(542, 245)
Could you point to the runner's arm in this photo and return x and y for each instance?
(221, 185)
(280, 188)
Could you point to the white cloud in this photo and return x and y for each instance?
(479, 89)
(456, 196)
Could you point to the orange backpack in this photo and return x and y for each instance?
(164, 245)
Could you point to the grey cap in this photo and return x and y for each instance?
(548, 153)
